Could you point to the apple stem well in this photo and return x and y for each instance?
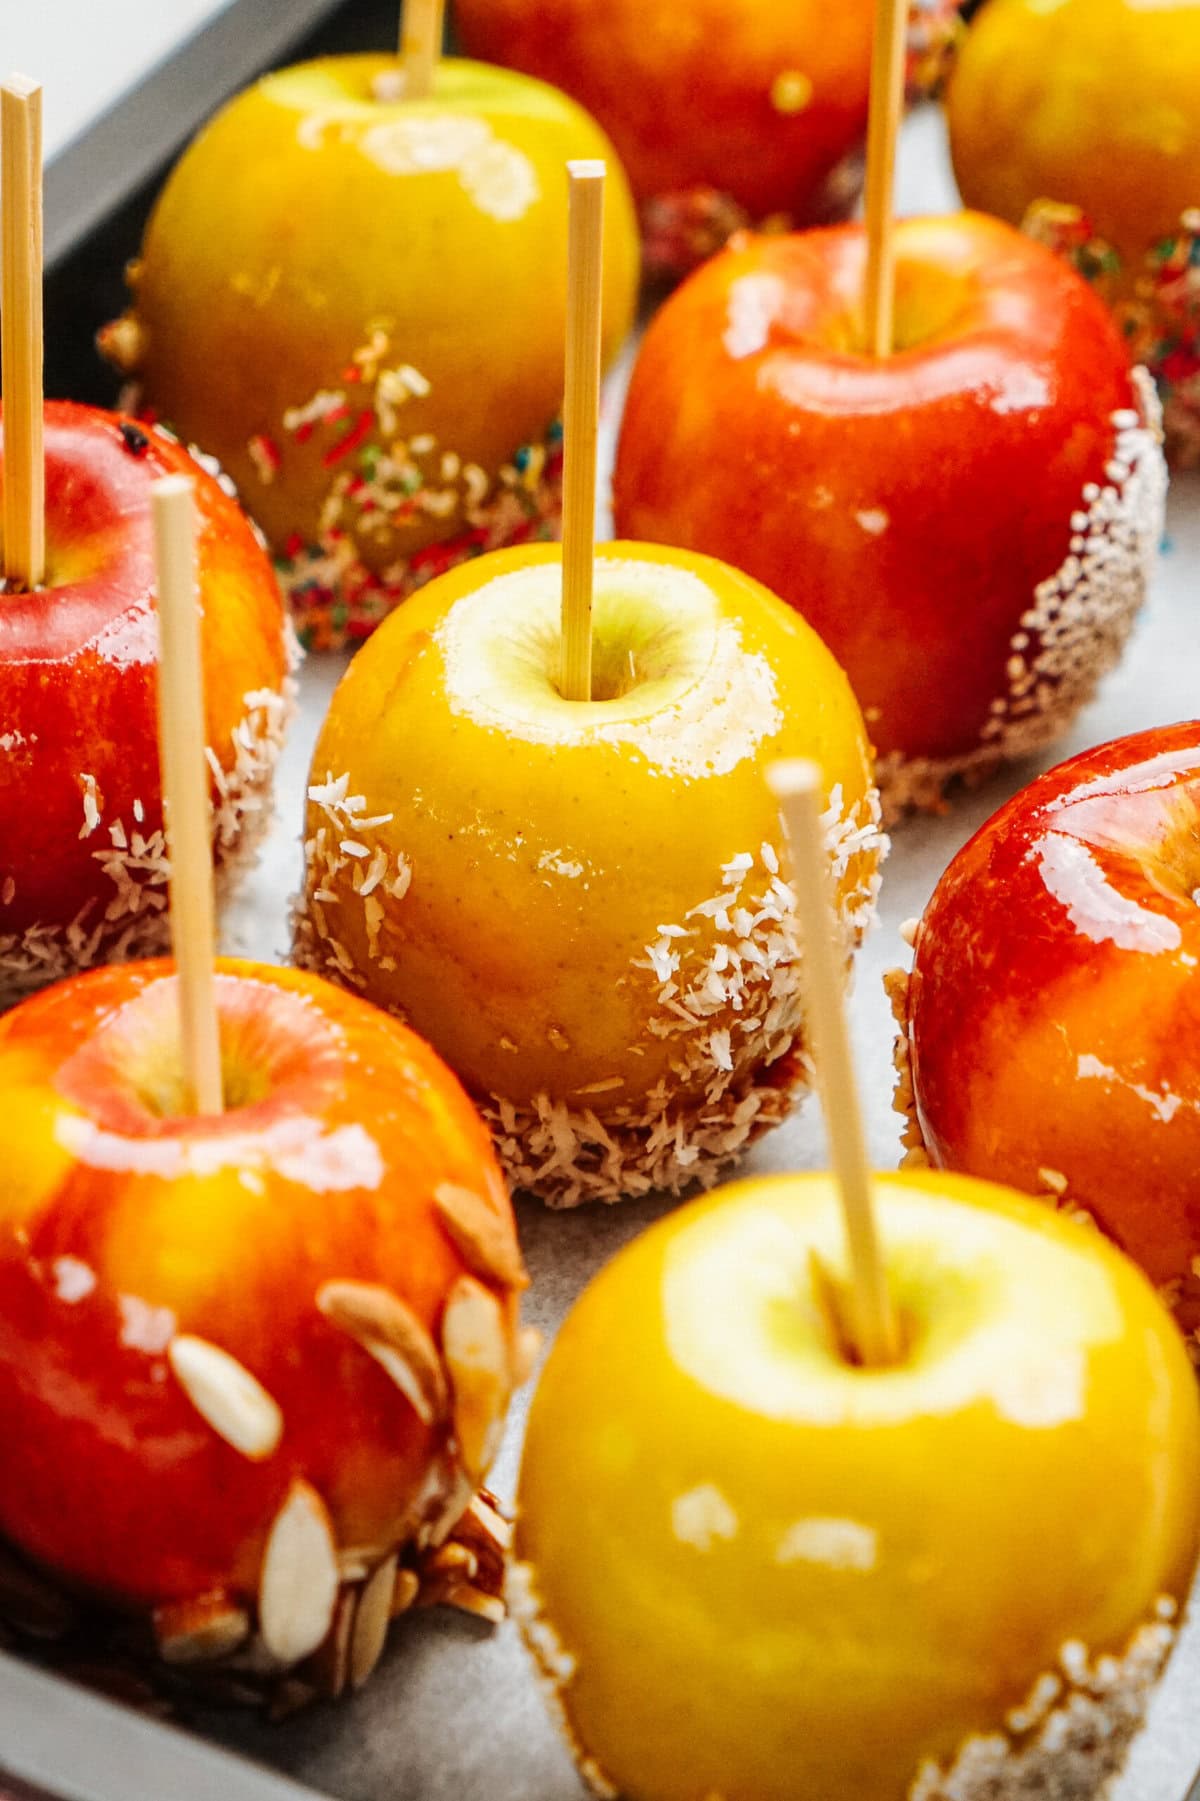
(883, 129)
(581, 421)
(21, 332)
(421, 32)
(871, 1336)
(181, 740)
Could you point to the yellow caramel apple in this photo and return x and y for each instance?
(580, 903)
(357, 302)
(748, 1568)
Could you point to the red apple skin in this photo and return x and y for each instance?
(685, 91)
(112, 1478)
(1054, 1006)
(907, 508)
(78, 662)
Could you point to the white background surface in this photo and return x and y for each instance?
(453, 1714)
(87, 53)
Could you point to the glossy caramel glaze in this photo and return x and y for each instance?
(908, 508)
(122, 1228)
(750, 1568)
(387, 293)
(78, 692)
(761, 103)
(1055, 997)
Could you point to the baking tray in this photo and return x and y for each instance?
(453, 1712)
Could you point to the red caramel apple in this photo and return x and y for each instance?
(252, 1365)
(969, 524)
(724, 112)
(579, 903)
(82, 856)
(368, 333)
(749, 1568)
(1053, 1011)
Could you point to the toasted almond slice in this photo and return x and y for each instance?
(483, 1520)
(404, 1592)
(371, 1622)
(223, 1392)
(298, 1586)
(475, 1346)
(390, 1332)
(201, 1629)
(483, 1238)
(529, 1343)
(329, 1666)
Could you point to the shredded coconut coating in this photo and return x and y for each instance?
(1074, 631)
(555, 1667)
(727, 1003)
(1070, 1739)
(133, 920)
(1067, 1741)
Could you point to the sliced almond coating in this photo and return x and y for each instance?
(222, 1390)
(404, 1593)
(371, 1622)
(201, 1629)
(484, 1239)
(390, 1332)
(529, 1344)
(475, 1346)
(298, 1587)
(329, 1667)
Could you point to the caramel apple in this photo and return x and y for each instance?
(724, 114)
(747, 1567)
(83, 863)
(1080, 119)
(1047, 1030)
(969, 522)
(253, 1365)
(355, 299)
(579, 903)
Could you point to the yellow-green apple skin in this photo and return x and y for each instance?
(582, 904)
(753, 1569)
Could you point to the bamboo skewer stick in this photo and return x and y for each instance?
(421, 30)
(887, 106)
(873, 1331)
(181, 740)
(581, 418)
(21, 331)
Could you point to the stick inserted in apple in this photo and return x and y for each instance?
(800, 1503)
(259, 1285)
(927, 437)
(539, 830)
(83, 866)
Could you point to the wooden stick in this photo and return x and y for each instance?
(581, 419)
(887, 107)
(181, 741)
(797, 785)
(21, 331)
(421, 30)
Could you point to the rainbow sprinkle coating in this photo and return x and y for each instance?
(684, 227)
(1160, 318)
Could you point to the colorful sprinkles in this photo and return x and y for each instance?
(1160, 318)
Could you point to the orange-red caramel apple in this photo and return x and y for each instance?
(249, 1364)
(968, 523)
(83, 863)
(1053, 1011)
